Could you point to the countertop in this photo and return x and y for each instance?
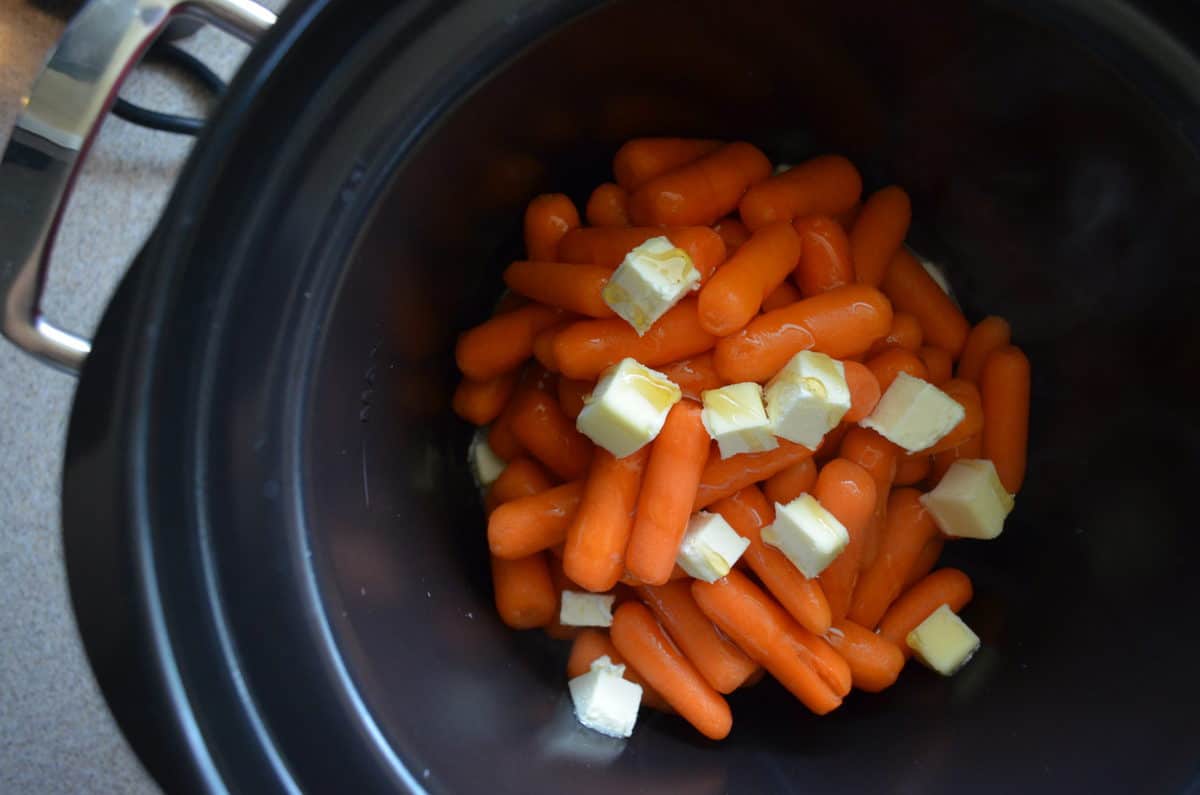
(56, 734)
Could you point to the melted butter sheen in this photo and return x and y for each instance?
(658, 392)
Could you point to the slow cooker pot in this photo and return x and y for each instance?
(275, 550)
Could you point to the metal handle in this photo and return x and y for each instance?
(52, 135)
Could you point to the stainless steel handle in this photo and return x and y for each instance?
(60, 118)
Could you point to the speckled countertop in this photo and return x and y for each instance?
(56, 734)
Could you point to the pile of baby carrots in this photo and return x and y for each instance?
(789, 261)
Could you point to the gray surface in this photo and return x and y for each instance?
(56, 734)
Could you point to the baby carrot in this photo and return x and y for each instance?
(971, 448)
(703, 245)
(912, 290)
(565, 285)
(893, 361)
(592, 644)
(530, 524)
(722, 664)
(608, 206)
(829, 184)
(1005, 386)
(523, 477)
(967, 395)
(988, 335)
(865, 390)
(503, 342)
(874, 661)
(642, 642)
(904, 333)
(501, 438)
(642, 159)
(938, 364)
(912, 468)
(906, 531)
(944, 587)
(547, 218)
(848, 216)
(735, 292)
(629, 581)
(677, 458)
(748, 512)
(595, 553)
(878, 233)
(828, 448)
(542, 429)
(765, 632)
(847, 491)
(603, 245)
(701, 191)
(693, 375)
(841, 323)
(825, 263)
(732, 232)
(878, 456)
(584, 349)
(788, 484)
(723, 477)
(783, 295)
(571, 394)
(525, 595)
(480, 402)
(930, 554)
(543, 345)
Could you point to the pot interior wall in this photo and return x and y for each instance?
(1053, 193)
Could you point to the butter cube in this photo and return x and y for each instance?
(652, 278)
(582, 609)
(914, 414)
(627, 408)
(970, 501)
(710, 547)
(807, 398)
(943, 641)
(485, 464)
(807, 534)
(736, 417)
(604, 700)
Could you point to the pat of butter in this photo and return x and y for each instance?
(970, 501)
(943, 641)
(486, 465)
(807, 534)
(582, 609)
(627, 408)
(914, 414)
(604, 700)
(652, 278)
(807, 398)
(736, 417)
(710, 547)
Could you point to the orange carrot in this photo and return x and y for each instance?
(865, 390)
(501, 438)
(702, 191)
(783, 295)
(733, 233)
(832, 440)
(572, 394)
(912, 290)
(703, 245)
(608, 206)
(905, 333)
(722, 477)
(874, 662)
(825, 263)
(525, 595)
(567, 286)
(772, 639)
(629, 581)
(547, 218)
(677, 458)
(893, 361)
(971, 448)
(503, 342)
(912, 468)
(943, 587)
(967, 395)
(735, 293)
(848, 216)
(906, 531)
(543, 343)
(542, 429)
(938, 364)
(642, 642)
(592, 644)
(722, 664)
(694, 375)
(878, 456)
(530, 524)
(930, 554)
(642, 159)
(878, 233)
(829, 184)
(788, 484)
(841, 323)
(748, 512)
(595, 553)
(607, 246)
(847, 491)
(523, 477)
(1005, 385)
(988, 335)
(583, 350)
(480, 402)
